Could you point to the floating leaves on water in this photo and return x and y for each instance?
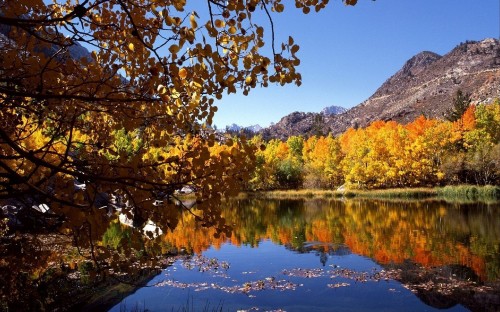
(244, 288)
(447, 288)
(357, 276)
(373, 276)
(205, 264)
(219, 269)
(338, 285)
(307, 273)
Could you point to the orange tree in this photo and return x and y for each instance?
(131, 119)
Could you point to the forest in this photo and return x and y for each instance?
(426, 152)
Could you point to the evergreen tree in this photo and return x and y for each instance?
(461, 102)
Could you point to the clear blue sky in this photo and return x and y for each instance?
(348, 52)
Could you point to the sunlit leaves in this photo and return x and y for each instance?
(219, 23)
(424, 152)
(183, 73)
(162, 89)
(131, 119)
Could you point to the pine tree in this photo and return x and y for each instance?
(461, 102)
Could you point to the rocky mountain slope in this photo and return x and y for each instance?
(298, 123)
(425, 85)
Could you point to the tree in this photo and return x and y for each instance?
(131, 119)
(322, 158)
(482, 144)
(474, 156)
(461, 102)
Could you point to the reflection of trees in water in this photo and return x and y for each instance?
(427, 232)
(322, 250)
(446, 286)
(457, 241)
(430, 241)
(445, 250)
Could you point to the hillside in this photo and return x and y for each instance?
(425, 85)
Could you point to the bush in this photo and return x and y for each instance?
(115, 234)
(289, 175)
(470, 192)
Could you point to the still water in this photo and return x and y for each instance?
(333, 255)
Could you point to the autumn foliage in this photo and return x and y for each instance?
(87, 136)
(425, 152)
(131, 119)
(107, 106)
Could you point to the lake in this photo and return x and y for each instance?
(332, 255)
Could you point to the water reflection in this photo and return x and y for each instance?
(427, 233)
(447, 256)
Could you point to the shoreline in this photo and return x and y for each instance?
(450, 193)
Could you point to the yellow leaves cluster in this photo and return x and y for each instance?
(132, 117)
(386, 154)
(392, 155)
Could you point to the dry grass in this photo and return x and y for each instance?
(305, 193)
(452, 193)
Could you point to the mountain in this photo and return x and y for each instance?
(237, 128)
(333, 110)
(426, 84)
(254, 128)
(298, 123)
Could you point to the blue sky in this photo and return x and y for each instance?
(348, 52)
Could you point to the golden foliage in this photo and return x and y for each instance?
(129, 124)
(425, 152)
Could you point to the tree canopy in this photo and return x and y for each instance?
(108, 104)
(386, 154)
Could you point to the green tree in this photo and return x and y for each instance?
(461, 101)
(295, 145)
(483, 145)
(289, 174)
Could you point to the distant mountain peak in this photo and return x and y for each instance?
(237, 128)
(333, 110)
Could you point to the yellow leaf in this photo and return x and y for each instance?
(192, 19)
(161, 89)
(219, 23)
(183, 73)
(174, 49)
(131, 47)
